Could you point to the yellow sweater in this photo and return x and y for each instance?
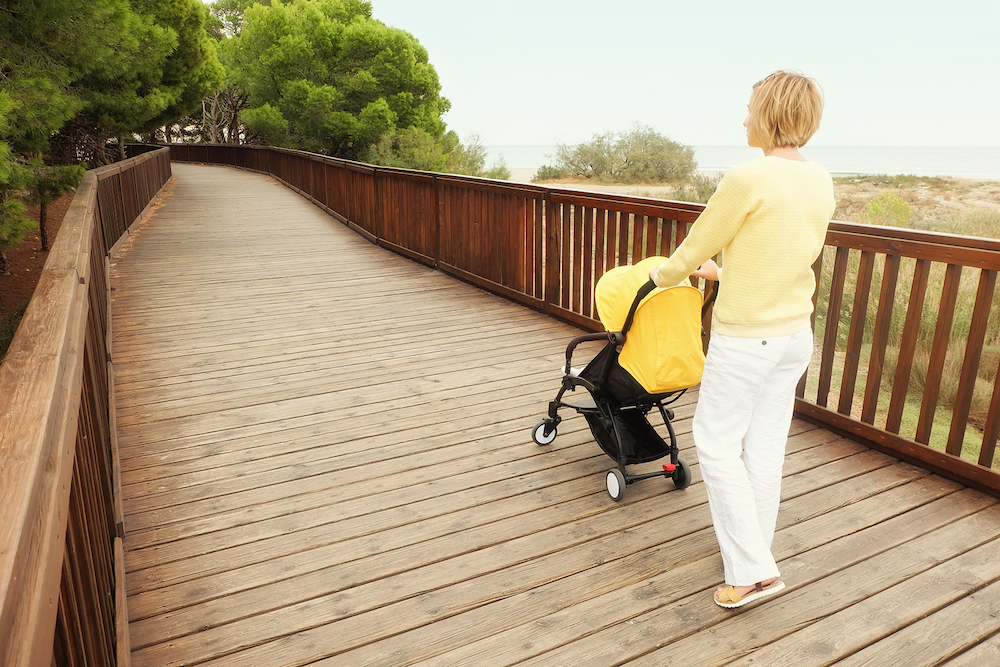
(768, 218)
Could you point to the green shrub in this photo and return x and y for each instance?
(888, 210)
(499, 171)
(413, 148)
(698, 189)
(547, 173)
(640, 155)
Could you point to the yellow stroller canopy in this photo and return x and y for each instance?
(663, 348)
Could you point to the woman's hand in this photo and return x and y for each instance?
(709, 270)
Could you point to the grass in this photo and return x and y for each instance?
(982, 222)
(8, 327)
(973, 437)
(899, 181)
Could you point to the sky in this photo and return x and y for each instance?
(543, 72)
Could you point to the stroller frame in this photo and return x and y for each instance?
(603, 409)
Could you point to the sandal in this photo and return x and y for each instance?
(730, 600)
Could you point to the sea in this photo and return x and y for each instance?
(977, 162)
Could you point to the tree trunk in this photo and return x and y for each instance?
(43, 217)
(4, 268)
(121, 149)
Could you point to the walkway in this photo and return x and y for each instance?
(326, 459)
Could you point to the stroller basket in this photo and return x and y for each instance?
(619, 405)
(627, 434)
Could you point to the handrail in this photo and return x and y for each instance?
(61, 580)
(546, 248)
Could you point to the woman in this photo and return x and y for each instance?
(769, 219)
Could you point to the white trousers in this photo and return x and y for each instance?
(745, 406)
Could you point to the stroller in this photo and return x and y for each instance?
(652, 356)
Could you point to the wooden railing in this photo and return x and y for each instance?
(61, 572)
(546, 248)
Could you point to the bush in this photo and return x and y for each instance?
(414, 148)
(499, 171)
(411, 148)
(888, 210)
(641, 155)
(699, 189)
(470, 160)
(547, 173)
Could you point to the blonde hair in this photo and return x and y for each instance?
(785, 109)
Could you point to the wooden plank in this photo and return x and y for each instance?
(951, 466)
(37, 438)
(328, 533)
(907, 345)
(326, 469)
(819, 585)
(638, 231)
(123, 653)
(832, 326)
(653, 226)
(688, 212)
(564, 273)
(604, 247)
(855, 336)
(659, 521)
(623, 226)
(935, 249)
(538, 258)
(491, 286)
(507, 631)
(908, 587)
(966, 622)
(939, 350)
(991, 429)
(970, 364)
(880, 337)
(978, 655)
(575, 303)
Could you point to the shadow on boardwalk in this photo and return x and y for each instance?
(326, 459)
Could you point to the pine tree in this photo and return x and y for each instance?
(323, 76)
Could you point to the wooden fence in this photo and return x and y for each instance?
(907, 363)
(61, 569)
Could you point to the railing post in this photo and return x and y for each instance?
(553, 256)
(377, 223)
(438, 216)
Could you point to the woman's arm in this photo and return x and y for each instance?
(708, 270)
(715, 228)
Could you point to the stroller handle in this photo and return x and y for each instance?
(576, 341)
(643, 292)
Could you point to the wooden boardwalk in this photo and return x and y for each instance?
(326, 459)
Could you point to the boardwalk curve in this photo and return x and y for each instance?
(326, 459)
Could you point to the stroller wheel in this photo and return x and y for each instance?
(616, 484)
(682, 475)
(539, 435)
